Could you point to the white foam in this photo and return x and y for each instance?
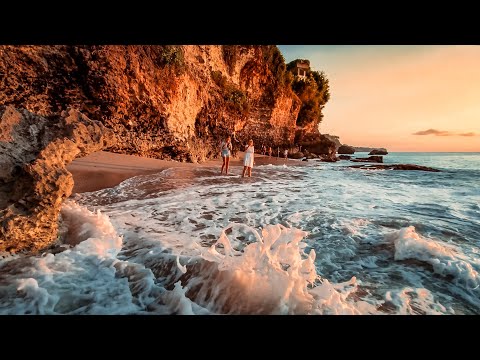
(445, 259)
(80, 280)
(149, 248)
(409, 301)
(273, 275)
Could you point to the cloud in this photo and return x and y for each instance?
(443, 133)
(435, 132)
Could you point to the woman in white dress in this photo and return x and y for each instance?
(248, 160)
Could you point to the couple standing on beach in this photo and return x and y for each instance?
(226, 148)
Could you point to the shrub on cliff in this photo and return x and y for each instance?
(235, 99)
(172, 55)
(276, 63)
(313, 91)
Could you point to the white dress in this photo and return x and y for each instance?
(248, 161)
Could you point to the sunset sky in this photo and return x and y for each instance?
(404, 98)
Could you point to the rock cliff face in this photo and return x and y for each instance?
(161, 101)
(34, 151)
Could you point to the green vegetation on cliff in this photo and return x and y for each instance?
(314, 93)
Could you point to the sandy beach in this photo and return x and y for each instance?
(105, 169)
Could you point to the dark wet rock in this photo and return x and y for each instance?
(314, 145)
(377, 159)
(344, 157)
(296, 155)
(395, 167)
(328, 158)
(34, 181)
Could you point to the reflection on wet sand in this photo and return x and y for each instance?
(162, 183)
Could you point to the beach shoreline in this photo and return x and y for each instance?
(104, 169)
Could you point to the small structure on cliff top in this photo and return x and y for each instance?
(301, 68)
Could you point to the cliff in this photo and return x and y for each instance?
(160, 101)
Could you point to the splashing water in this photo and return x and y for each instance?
(289, 240)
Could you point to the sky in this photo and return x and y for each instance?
(401, 97)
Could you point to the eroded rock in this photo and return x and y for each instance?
(34, 181)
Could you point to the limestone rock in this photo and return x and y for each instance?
(162, 101)
(34, 181)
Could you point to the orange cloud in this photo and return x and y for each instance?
(442, 133)
(434, 132)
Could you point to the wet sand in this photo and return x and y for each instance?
(103, 169)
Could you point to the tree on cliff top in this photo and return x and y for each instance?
(313, 91)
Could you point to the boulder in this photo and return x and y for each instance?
(378, 152)
(34, 181)
(346, 149)
(326, 158)
(344, 157)
(296, 155)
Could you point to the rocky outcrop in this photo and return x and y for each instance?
(296, 155)
(377, 159)
(335, 139)
(161, 101)
(346, 149)
(378, 152)
(367, 149)
(395, 167)
(34, 151)
(319, 144)
(344, 157)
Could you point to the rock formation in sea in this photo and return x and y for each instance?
(160, 101)
(395, 167)
(375, 158)
(369, 149)
(319, 144)
(346, 149)
(34, 151)
(381, 151)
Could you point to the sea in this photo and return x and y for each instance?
(318, 239)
